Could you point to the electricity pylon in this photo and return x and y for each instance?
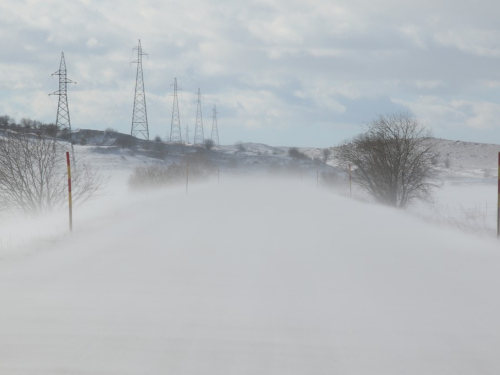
(175, 128)
(139, 114)
(63, 119)
(198, 128)
(215, 130)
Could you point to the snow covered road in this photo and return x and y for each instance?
(253, 278)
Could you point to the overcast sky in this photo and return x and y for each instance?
(282, 72)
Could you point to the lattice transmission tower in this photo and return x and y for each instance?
(139, 114)
(215, 130)
(63, 119)
(175, 128)
(198, 128)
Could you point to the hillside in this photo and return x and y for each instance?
(454, 159)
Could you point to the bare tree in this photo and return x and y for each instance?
(33, 177)
(27, 123)
(392, 160)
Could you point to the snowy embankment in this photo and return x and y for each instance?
(250, 278)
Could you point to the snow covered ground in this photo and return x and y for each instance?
(248, 277)
(253, 277)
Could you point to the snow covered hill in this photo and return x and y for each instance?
(454, 159)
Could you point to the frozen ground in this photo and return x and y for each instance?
(248, 277)
(251, 278)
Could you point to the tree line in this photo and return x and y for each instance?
(27, 124)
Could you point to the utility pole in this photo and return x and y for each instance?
(63, 119)
(175, 127)
(198, 128)
(187, 134)
(139, 114)
(215, 130)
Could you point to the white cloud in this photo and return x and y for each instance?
(268, 62)
(92, 42)
(415, 34)
(475, 41)
(440, 113)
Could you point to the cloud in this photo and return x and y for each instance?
(274, 63)
(440, 113)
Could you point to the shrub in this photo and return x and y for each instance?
(156, 175)
(295, 153)
(151, 176)
(326, 154)
(126, 141)
(209, 144)
(239, 146)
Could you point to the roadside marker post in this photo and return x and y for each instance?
(70, 201)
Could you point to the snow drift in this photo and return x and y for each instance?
(252, 277)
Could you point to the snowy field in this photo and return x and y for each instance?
(250, 276)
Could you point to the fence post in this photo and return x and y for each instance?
(70, 202)
(498, 199)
